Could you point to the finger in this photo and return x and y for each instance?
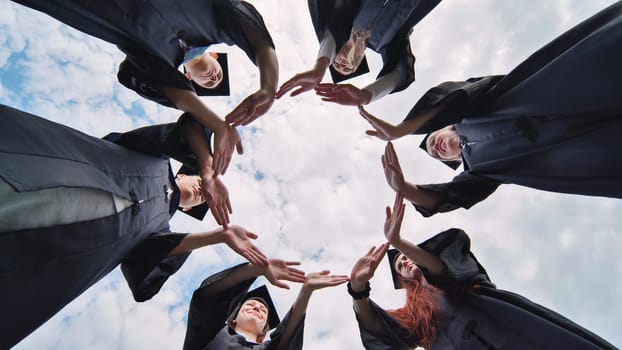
(371, 250)
(251, 235)
(292, 263)
(298, 91)
(388, 211)
(330, 100)
(280, 284)
(371, 133)
(326, 86)
(228, 204)
(239, 148)
(324, 272)
(296, 272)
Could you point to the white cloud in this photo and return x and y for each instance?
(323, 191)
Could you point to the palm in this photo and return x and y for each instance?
(239, 239)
(217, 197)
(363, 270)
(393, 221)
(346, 94)
(392, 169)
(225, 141)
(319, 280)
(278, 270)
(304, 81)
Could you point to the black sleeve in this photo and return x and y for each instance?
(464, 191)
(146, 74)
(243, 24)
(457, 99)
(163, 140)
(294, 343)
(209, 311)
(398, 54)
(147, 267)
(326, 15)
(453, 247)
(387, 333)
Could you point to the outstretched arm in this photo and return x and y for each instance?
(395, 178)
(258, 103)
(313, 282)
(387, 132)
(392, 226)
(236, 237)
(226, 138)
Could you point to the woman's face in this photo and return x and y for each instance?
(444, 144)
(254, 314)
(406, 268)
(205, 70)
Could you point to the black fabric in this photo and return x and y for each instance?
(210, 310)
(65, 260)
(475, 315)
(553, 123)
(337, 17)
(148, 32)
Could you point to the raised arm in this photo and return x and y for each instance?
(313, 282)
(226, 138)
(395, 178)
(392, 226)
(387, 132)
(236, 237)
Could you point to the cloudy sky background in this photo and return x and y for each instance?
(310, 182)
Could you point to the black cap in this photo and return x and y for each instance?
(198, 211)
(363, 68)
(454, 164)
(262, 295)
(223, 88)
(392, 255)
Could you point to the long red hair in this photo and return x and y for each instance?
(419, 315)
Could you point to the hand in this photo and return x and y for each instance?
(305, 81)
(278, 270)
(344, 94)
(393, 222)
(226, 138)
(364, 269)
(217, 197)
(238, 239)
(322, 279)
(392, 169)
(255, 105)
(383, 130)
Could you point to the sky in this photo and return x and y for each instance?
(310, 182)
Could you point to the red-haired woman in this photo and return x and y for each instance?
(450, 301)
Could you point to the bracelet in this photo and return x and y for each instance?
(359, 295)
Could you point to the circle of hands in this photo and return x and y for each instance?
(277, 271)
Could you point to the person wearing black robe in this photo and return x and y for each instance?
(216, 304)
(157, 36)
(553, 123)
(444, 279)
(344, 29)
(74, 207)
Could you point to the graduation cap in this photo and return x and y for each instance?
(363, 68)
(454, 164)
(198, 211)
(392, 255)
(262, 295)
(223, 88)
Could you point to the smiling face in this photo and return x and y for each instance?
(406, 268)
(205, 70)
(190, 192)
(444, 144)
(252, 317)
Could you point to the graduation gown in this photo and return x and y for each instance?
(473, 314)
(43, 269)
(209, 312)
(337, 16)
(149, 33)
(553, 123)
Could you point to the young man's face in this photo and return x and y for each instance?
(190, 190)
(205, 71)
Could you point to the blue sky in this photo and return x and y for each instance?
(310, 182)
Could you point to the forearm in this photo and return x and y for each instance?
(298, 312)
(420, 196)
(385, 84)
(188, 101)
(200, 145)
(268, 65)
(196, 240)
(412, 125)
(327, 48)
(421, 257)
(233, 278)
